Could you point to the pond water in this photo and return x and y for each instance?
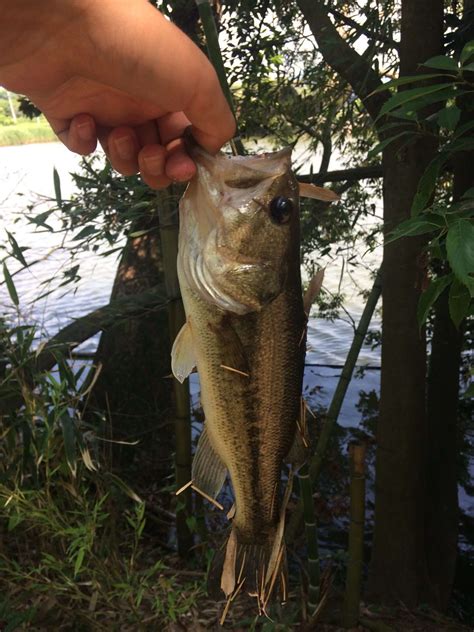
(26, 176)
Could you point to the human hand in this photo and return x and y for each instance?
(115, 71)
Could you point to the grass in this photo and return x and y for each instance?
(26, 132)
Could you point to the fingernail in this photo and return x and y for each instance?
(125, 148)
(85, 131)
(154, 165)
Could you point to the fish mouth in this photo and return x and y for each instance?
(242, 172)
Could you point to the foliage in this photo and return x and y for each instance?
(448, 223)
(70, 529)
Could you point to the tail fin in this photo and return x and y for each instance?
(257, 568)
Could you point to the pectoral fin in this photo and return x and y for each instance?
(182, 354)
(209, 472)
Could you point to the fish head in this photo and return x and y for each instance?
(239, 229)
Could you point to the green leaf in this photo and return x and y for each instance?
(79, 559)
(69, 438)
(124, 487)
(467, 52)
(17, 251)
(407, 96)
(448, 117)
(468, 194)
(430, 296)
(10, 285)
(465, 127)
(419, 225)
(460, 249)
(442, 62)
(426, 185)
(85, 232)
(402, 81)
(380, 146)
(469, 67)
(469, 392)
(57, 187)
(459, 302)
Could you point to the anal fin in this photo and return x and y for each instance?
(208, 471)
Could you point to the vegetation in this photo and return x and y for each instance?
(24, 132)
(91, 456)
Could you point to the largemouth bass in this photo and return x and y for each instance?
(239, 273)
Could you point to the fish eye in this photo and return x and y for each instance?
(281, 209)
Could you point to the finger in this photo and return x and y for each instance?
(179, 166)
(147, 133)
(122, 150)
(158, 63)
(79, 135)
(151, 161)
(172, 126)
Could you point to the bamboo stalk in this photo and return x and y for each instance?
(168, 218)
(351, 609)
(214, 53)
(311, 532)
(338, 398)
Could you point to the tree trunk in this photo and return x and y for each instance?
(441, 522)
(398, 568)
(133, 387)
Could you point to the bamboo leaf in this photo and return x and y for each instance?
(459, 302)
(85, 232)
(427, 185)
(430, 296)
(17, 251)
(69, 438)
(124, 487)
(460, 249)
(442, 62)
(79, 560)
(57, 187)
(10, 285)
(448, 117)
(467, 52)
